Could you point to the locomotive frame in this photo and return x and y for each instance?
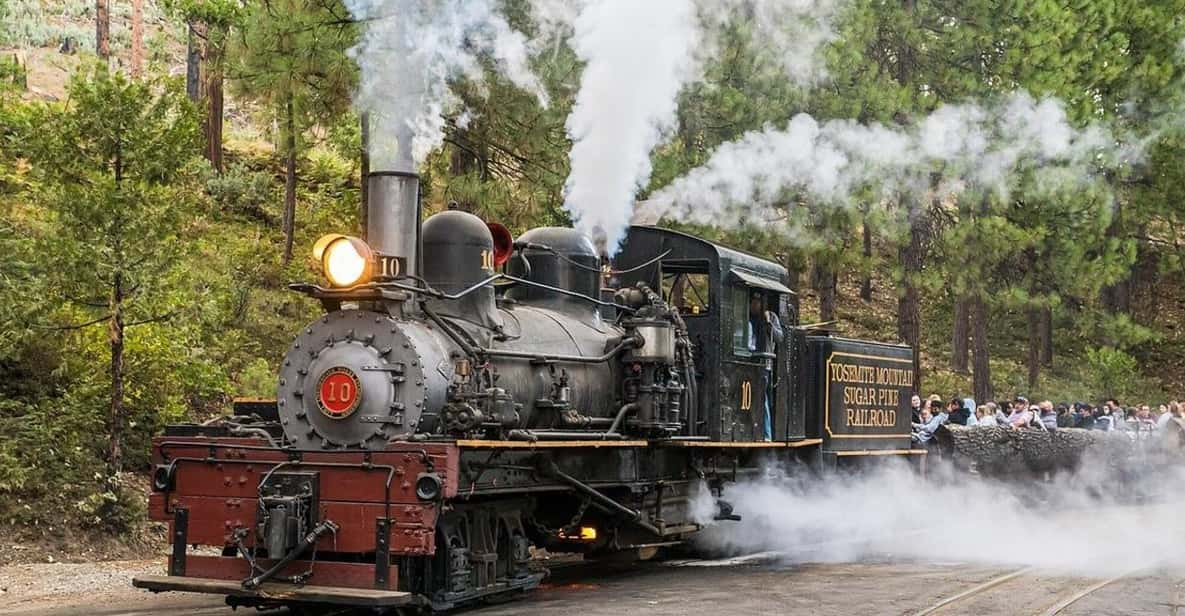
(439, 502)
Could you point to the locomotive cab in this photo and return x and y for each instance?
(722, 295)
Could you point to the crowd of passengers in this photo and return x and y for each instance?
(1138, 421)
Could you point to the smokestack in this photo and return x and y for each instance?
(393, 201)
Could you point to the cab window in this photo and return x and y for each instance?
(743, 340)
(685, 287)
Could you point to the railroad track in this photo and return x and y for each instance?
(1073, 593)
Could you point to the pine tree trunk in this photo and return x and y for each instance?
(866, 282)
(824, 280)
(116, 412)
(909, 304)
(981, 382)
(794, 267)
(289, 179)
(1047, 337)
(364, 164)
(958, 358)
(1033, 317)
(1142, 285)
(462, 161)
(214, 106)
(137, 38)
(909, 310)
(103, 29)
(1117, 297)
(193, 62)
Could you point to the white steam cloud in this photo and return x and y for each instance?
(964, 146)
(1078, 525)
(638, 56)
(410, 50)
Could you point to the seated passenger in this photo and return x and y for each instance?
(923, 432)
(1174, 410)
(957, 413)
(1144, 421)
(1020, 415)
(1048, 415)
(998, 411)
(1065, 417)
(984, 417)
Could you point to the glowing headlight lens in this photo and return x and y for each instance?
(346, 260)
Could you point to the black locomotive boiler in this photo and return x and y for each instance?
(467, 396)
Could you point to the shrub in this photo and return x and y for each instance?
(1113, 372)
(243, 191)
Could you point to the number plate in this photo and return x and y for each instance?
(338, 393)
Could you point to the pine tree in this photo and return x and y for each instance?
(291, 56)
(105, 163)
(209, 25)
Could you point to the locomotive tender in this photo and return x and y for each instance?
(467, 396)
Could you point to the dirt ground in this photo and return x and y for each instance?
(680, 588)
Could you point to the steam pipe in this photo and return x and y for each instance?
(616, 425)
(625, 344)
(602, 501)
(561, 435)
(460, 340)
(317, 291)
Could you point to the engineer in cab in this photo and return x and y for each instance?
(765, 334)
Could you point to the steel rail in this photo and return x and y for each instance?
(1067, 601)
(1073, 598)
(966, 594)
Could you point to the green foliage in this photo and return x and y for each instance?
(216, 14)
(242, 191)
(294, 52)
(36, 23)
(1111, 371)
(104, 246)
(257, 380)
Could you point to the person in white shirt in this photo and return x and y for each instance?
(1173, 410)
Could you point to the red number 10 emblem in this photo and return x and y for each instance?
(338, 394)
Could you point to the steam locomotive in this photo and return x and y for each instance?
(468, 397)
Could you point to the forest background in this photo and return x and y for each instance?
(165, 166)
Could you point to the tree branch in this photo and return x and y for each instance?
(105, 317)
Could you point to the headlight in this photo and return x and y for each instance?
(345, 260)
